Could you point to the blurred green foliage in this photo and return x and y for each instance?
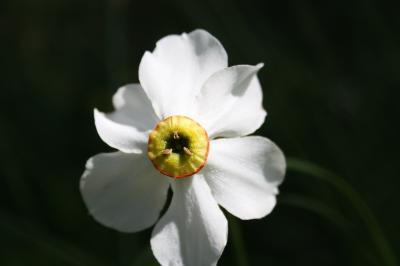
(331, 85)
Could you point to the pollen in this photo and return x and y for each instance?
(178, 146)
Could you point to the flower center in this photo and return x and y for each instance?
(178, 146)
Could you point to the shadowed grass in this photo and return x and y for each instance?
(382, 246)
(316, 207)
(55, 246)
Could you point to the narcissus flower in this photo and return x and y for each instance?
(184, 127)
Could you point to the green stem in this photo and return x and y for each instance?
(237, 241)
(355, 199)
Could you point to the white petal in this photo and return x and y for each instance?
(123, 191)
(243, 174)
(174, 72)
(126, 129)
(194, 230)
(230, 102)
(132, 102)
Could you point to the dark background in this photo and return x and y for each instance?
(331, 88)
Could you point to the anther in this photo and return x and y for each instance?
(176, 136)
(166, 152)
(187, 151)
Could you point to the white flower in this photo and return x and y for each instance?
(183, 128)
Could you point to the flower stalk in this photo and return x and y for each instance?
(238, 242)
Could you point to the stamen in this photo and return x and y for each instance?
(166, 152)
(187, 151)
(176, 136)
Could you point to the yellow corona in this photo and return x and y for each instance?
(178, 146)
